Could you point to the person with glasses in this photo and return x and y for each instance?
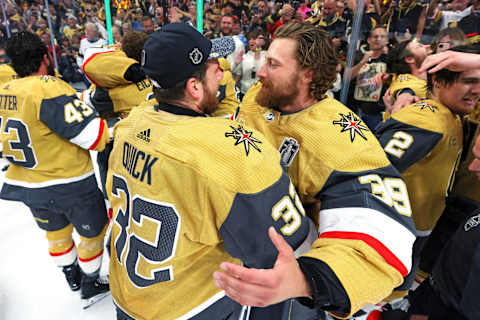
(447, 39)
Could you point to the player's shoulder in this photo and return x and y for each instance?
(235, 156)
(338, 136)
(39, 87)
(427, 114)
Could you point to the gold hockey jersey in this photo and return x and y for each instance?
(466, 183)
(189, 192)
(410, 82)
(106, 67)
(364, 219)
(7, 73)
(120, 99)
(424, 142)
(46, 132)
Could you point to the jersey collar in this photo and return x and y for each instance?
(170, 108)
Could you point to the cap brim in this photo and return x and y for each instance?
(221, 47)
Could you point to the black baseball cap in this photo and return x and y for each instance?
(173, 53)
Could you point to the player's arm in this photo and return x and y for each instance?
(100, 99)
(363, 250)
(72, 119)
(244, 230)
(404, 143)
(366, 235)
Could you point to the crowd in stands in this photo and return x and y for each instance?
(77, 25)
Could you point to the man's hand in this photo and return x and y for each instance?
(263, 287)
(451, 60)
(403, 100)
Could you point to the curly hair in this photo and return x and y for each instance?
(315, 52)
(26, 51)
(132, 44)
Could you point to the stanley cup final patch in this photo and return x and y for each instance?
(288, 150)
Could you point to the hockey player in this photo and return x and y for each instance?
(447, 294)
(189, 191)
(365, 229)
(46, 133)
(424, 142)
(408, 82)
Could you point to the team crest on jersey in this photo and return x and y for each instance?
(472, 223)
(288, 150)
(351, 123)
(243, 136)
(426, 106)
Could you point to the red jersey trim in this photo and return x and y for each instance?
(57, 254)
(100, 134)
(88, 60)
(372, 242)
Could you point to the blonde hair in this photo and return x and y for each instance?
(315, 52)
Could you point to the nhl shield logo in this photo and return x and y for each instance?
(269, 116)
(195, 56)
(288, 150)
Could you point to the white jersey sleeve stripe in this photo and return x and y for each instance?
(87, 137)
(389, 238)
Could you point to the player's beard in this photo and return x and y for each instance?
(209, 103)
(276, 97)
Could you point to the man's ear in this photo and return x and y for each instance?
(410, 60)
(194, 88)
(307, 76)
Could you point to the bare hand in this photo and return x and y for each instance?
(263, 287)
(451, 60)
(239, 57)
(380, 78)
(403, 100)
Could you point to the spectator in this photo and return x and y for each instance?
(471, 23)
(332, 22)
(459, 10)
(408, 20)
(92, 40)
(148, 25)
(226, 29)
(246, 73)
(68, 67)
(365, 95)
(286, 15)
(116, 34)
(304, 9)
(448, 38)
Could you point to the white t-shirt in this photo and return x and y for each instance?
(85, 44)
(451, 16)
(248, 69)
